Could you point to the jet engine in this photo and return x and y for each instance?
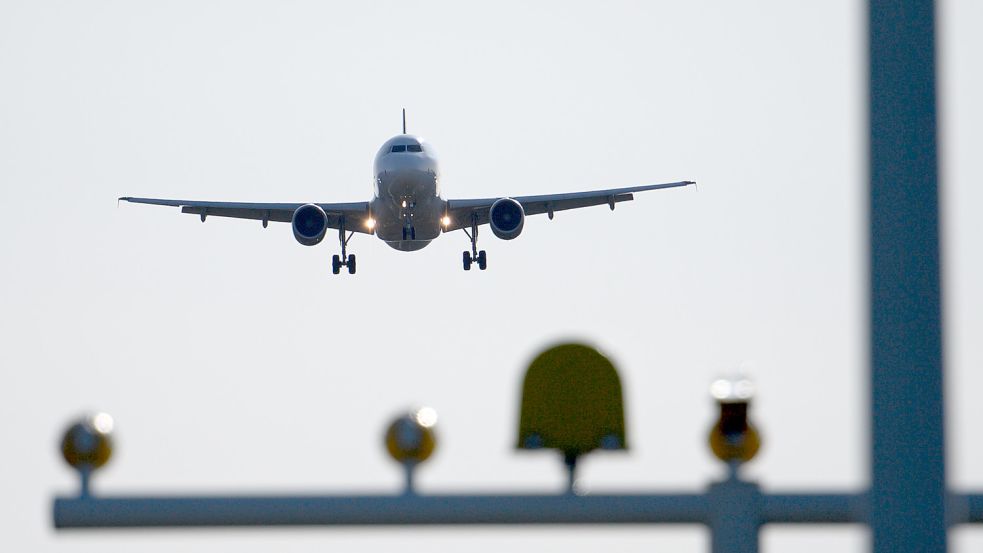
(506, 218)
(309, 223)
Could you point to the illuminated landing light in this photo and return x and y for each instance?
(728, 390)
(370, 223)
(426, 417)
(445, 220)
(404, 203)
(103, 423)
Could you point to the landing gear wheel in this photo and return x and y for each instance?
(345, 259)
(474, 254)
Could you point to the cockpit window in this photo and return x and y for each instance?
(400, 148)
(414, 148)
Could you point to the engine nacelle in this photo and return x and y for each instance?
(309, 223)
(506, 218)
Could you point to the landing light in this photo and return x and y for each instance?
(426, 417)
(370, 223)
(103, 423)
(445, 220)
(732, 389)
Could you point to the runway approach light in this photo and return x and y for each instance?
(410, 440)
(733, 439)
(88, 445)
(571, 402)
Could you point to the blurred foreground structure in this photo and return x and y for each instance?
(908, 506)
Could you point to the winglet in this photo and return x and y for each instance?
(404, 120)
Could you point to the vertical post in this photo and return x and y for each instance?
(409, 478)
(85, 480)
(908, 493)
(735, 516)
(570, 462)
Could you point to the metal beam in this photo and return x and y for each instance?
(120, 512)
(711, 508)
(908, 490)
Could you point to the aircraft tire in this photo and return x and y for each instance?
(467, 261)
(482, 260)
(351, 264)
(335, 264)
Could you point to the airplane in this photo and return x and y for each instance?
(407, 210)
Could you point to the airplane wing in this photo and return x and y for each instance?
(354, 214)
(463, 212)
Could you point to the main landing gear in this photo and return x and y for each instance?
(337, 262)
(474, 255)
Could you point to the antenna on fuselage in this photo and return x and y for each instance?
(404, 120)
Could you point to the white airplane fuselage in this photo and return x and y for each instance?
(406, 205)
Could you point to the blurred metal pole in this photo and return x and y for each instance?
(333, 510)
(409, 509)
(735, 516)
(736, 508)
(908, 493)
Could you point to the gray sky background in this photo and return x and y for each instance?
(232, 360)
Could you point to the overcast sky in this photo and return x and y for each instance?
(234, 361)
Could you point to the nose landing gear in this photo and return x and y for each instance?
(474, 255)
(408, 204)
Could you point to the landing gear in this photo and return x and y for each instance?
(408, 205)
(343, 260)
(474, 255)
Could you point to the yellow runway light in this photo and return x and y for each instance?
(733, 438)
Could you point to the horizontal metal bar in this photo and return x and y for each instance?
(974, 503)
(685, 508)
(813, 508)
(121, 512)
(965, 508)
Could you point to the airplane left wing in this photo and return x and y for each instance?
(463, 213)
(353, 214)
